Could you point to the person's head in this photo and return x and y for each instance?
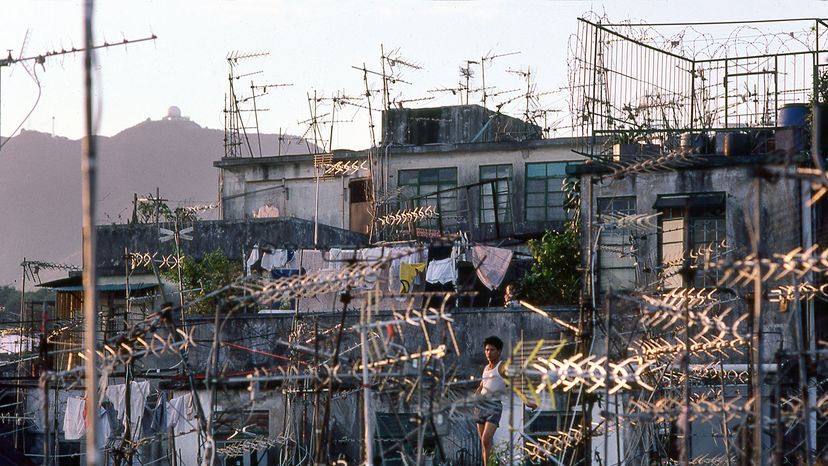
(492, 347)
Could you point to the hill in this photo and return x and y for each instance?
(40, 184)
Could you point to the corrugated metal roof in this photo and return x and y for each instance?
(107, 288)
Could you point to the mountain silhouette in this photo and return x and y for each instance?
(40, 184)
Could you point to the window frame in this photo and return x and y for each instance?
(692, 213)
(502, 198)
(549, 181)
(442, 182)
(618, 238)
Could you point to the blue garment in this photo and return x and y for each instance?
(284, 273)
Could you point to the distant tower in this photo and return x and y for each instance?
(174, 113)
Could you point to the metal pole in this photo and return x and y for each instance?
(366, 388)
(18, 393)
(756, 340)
(90, 278)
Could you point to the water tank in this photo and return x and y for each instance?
(691, 143)
(793, 135)
(736, 143)
(794, 115)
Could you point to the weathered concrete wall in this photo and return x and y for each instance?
(781, 220)
(452, 125)
(455, 428)
(289, 183)
(780, 206)
(233, 238)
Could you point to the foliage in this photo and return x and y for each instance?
(822, 86)
(146, 211)
(212, 272)
(10, 300)
(554, 278)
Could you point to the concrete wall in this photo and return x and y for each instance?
(780, 206)
(233, 238)
(471, 326)
(781, 221)
(453, 124)
(289, 182)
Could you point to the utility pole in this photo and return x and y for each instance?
(90, 276)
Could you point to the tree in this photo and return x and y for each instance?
(212, 272)
(146, 212)
(554, 278)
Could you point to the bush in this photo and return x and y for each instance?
(554, 278)
(212, 272)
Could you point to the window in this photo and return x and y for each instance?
(419, 185)
(690, 224)
(544, 191)
(499, 197)
(616, 256)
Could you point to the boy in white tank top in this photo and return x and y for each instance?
(492, 385)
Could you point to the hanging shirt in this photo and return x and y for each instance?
(441, 271)
(266, 211)
(251, 261)
(491, 264)
(154, 420)
(408, 272)
(74, 424)
(276, 259)
(137, 399)
(180, 412)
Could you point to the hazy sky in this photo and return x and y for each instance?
(312, 45)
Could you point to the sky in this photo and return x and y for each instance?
(312, 45)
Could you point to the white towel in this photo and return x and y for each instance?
(441, 271)
(275, 260)
(179, 414)
(254, 257)
(137, 400)
(74, 425)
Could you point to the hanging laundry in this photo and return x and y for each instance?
(407, 255)
(408, 272)
(106, 420)
(284, 273)
(180, 411)
(370, 256)
(274, 259)
(340, 258)
(441, 271)
(74, 425)
(491, 264)
(252, 259)
(154, 420)
(137, 399)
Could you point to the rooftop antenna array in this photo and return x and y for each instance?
(263, 88)
(489, 58)
(235, 131)
(392, 65)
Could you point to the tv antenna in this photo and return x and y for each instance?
(489, 58)
(467, 73)
(263, 88)
(235, 131)
(40, 59)
(394, 61)
(530, 88)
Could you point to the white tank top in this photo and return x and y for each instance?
(492, 380)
